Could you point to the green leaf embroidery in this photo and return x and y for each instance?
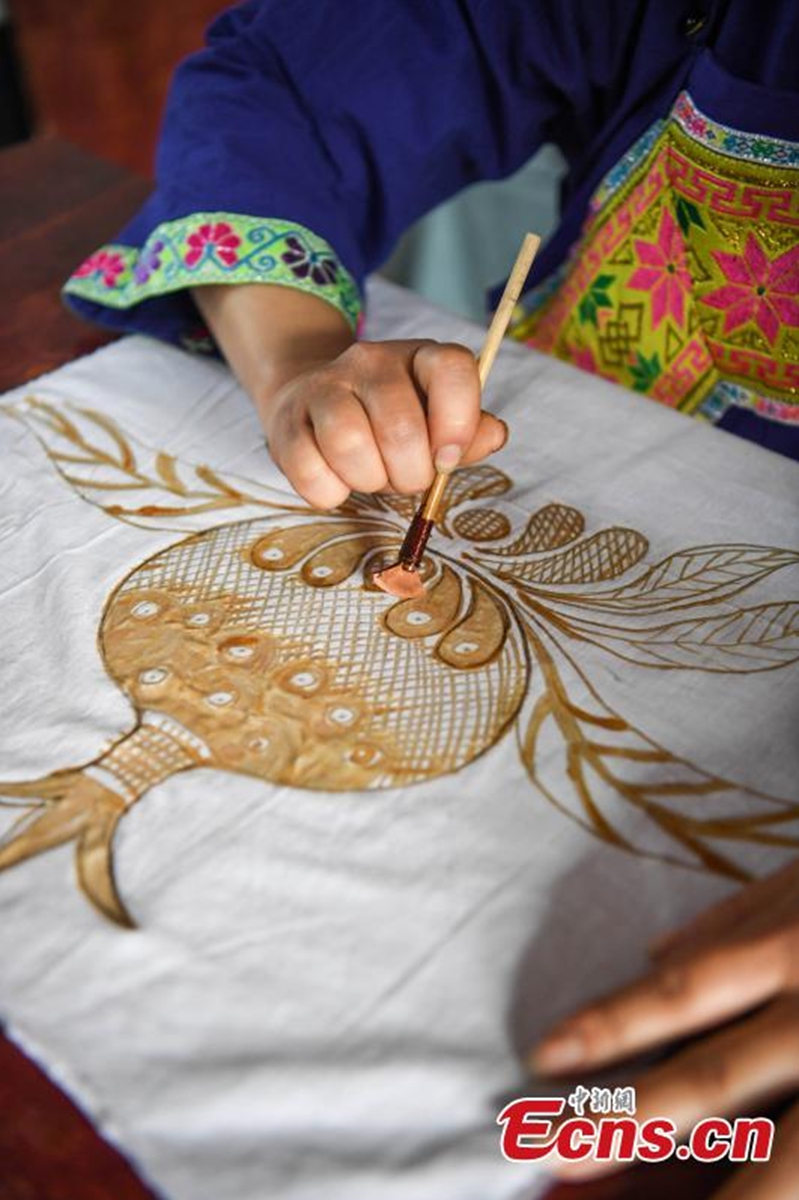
(687, 215)
(586, 311)
(645, 371)
(596, 297)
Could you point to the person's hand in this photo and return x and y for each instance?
(380, 415)
(342, 416)
(736, 966)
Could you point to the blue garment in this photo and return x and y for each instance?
(352, 120)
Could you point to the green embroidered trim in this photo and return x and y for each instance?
(216, 248)
(751, 147)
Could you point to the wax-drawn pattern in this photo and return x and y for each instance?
(259, 645)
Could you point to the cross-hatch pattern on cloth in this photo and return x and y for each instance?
(261, 647)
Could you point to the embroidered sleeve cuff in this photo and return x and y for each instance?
(216, 248)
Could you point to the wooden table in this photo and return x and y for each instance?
(57, 204)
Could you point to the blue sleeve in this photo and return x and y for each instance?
(307, 136)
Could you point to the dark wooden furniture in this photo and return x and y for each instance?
(57, 204)
(97, 72)
(48, 1149)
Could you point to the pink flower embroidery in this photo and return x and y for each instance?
(583, 357)
(665, 271)
(219, 237)
(759, 289)
(108, 266)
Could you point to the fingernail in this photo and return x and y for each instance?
(448, 457)
(560, 1052)
(505, 433)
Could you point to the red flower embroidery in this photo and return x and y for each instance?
(221, 240)
(665, 272)
(108, 266)
(583, 357)
(760, 289)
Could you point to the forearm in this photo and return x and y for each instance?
(271, 334)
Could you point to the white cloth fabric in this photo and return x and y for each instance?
(331, 993)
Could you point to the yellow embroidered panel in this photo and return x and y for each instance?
(685, 282)
(260, 646)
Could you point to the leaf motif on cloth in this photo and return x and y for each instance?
(595, 766)
(692, 576)
(133, 482)
(742, 640)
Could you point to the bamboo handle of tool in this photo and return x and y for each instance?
(493, 340)
(504, 310)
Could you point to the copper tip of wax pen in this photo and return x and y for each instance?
(402, 579)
